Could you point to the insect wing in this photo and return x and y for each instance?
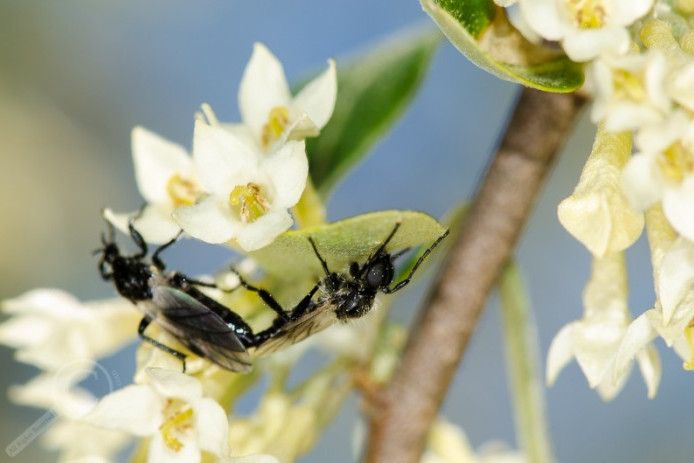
(199, 328)
(322, 317)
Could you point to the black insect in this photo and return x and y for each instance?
(342, 296)
(173, 301)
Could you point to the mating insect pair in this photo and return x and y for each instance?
(214, 331)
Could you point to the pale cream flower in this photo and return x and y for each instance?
(595, 339)
(586, 28)
(449, 444)
(269, 112)
(598, 213)
(50, 328)
(664, 171)
(249, 193)
(629, 90)
(171, 410)
(166, 178)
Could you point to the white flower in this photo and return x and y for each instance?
(664, 171)
(166, 178)
(449, 444)
(268, 110)
(249, 192)
(629, 90)
(171, 410)
(595, 340)
(586, 28)
(51, 329)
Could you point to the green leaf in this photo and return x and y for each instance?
(373, 91)
(481, 31)
(290, 257)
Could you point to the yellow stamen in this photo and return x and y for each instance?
(676, 162)
(249, 201)
(628, 85)
(182, 190)
(588, 14)
(276, 123)
(176, 424)
(689, 335)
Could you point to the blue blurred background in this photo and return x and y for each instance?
(77, 75)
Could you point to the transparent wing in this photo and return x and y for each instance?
(320, 318)
(199, 328)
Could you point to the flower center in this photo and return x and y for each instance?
(676, 162)
(628, 85)
(277, 121)
(181, 190)
(249, 201)
(177, 422)
(588, 14)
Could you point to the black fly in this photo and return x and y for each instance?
(174, 302)
(342, 296)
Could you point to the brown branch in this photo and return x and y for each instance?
(407, 406)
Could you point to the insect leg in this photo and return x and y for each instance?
(323, 263)
(385, 243)
(156, 260)
(144, 323)
(139, 241)
(424, 255)
(264, 295)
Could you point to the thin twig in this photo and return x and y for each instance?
(410, 402)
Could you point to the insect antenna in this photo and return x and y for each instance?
(382, 247)
(424, 255)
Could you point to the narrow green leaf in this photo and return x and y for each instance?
(481, 31)
(373, 91)
(290, 257)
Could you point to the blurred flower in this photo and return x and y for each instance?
(166, 178)
(664, 171)
(586, 28)
(170, 409)
(279, 427)
(597, 213)
(449, 444)
(249, 193)
(629, 90)
(595, 340)
(51, 329)
(269, 112)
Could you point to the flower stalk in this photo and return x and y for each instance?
(524, 381)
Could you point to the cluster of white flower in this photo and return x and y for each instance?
(640, 61)
(242, 178)
(237, 187)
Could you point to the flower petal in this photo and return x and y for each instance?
(135, 409)
(678, 206)
(649, 364)
(560, 352)
(544, 17)
(636, 337)
(641, 181)
(264, 230)
(212, 426)
(263, 87)
(156, 160)
(317, 98)
(585, 44)
(625, 12)
(155, 223)
(210, 220)
(174, 384)
(222, 159)
(675, 276)
(48, 301)
(288, 172)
